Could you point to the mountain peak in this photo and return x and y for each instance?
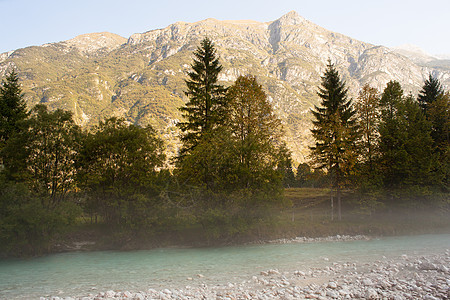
(291, 18)
(92, 42)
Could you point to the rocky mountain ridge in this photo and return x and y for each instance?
(142, 78)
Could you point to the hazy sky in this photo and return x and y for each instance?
(381, 22)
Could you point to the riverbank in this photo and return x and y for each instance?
(307, 216)
(424, 276)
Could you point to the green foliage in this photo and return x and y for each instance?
(335, 129)
(256, 133)
(27, 225)
(227, 224)
(405, 146)
(204, 110)
(210, 165)
(368, 113)
(438, 113)
(430, 92)
(308, 177)
(12, 107)
(43, 154)
(119, 169)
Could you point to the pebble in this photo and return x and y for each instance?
(332, 294)
(367, 282)
(406, 277)
(332, 285)
(371, 294)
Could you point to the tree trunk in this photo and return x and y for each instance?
(332, 205)
(339, 202)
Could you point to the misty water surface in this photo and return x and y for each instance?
(81, 273)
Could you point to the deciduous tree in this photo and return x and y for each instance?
(367, 109)
(43, 154)
(118, 167)
(257, 134)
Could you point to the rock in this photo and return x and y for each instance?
(371, 294)
(127, 294)
(139, 296)
(332, 294)
(110, 294)
(332, 285)
(443, 269)
(427, 266)
(367, 282)
(273, 272)
(344, 292)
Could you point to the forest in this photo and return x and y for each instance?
(381, 150)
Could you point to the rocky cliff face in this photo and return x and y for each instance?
(142, 78)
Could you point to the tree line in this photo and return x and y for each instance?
(233, 163)
(389, 145)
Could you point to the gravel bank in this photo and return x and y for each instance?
(403, 277)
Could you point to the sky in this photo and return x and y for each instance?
(391, 23)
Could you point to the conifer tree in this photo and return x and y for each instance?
(13, 108)
(405, 144)
(204, 110)
(335, 131)
(430, 92)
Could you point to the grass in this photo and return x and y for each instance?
(308, 214)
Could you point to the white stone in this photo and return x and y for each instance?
(367, 282)
(332, 294)
(332, 285)
(139, 296)
(127, 294)
(110, 294)
(371, 294)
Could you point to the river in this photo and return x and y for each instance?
(81, 273)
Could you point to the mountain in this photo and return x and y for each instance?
(142, 78)
(415, 53)
(424, 59)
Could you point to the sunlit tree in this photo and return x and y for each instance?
(335, 131)
(204, 109)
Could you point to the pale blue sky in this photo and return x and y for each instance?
(381, 22)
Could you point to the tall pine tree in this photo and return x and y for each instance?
(204, 110)
(335, 131)
(13, 108)
(431, 90)
(405, 144)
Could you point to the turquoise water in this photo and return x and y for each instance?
(81, 273)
